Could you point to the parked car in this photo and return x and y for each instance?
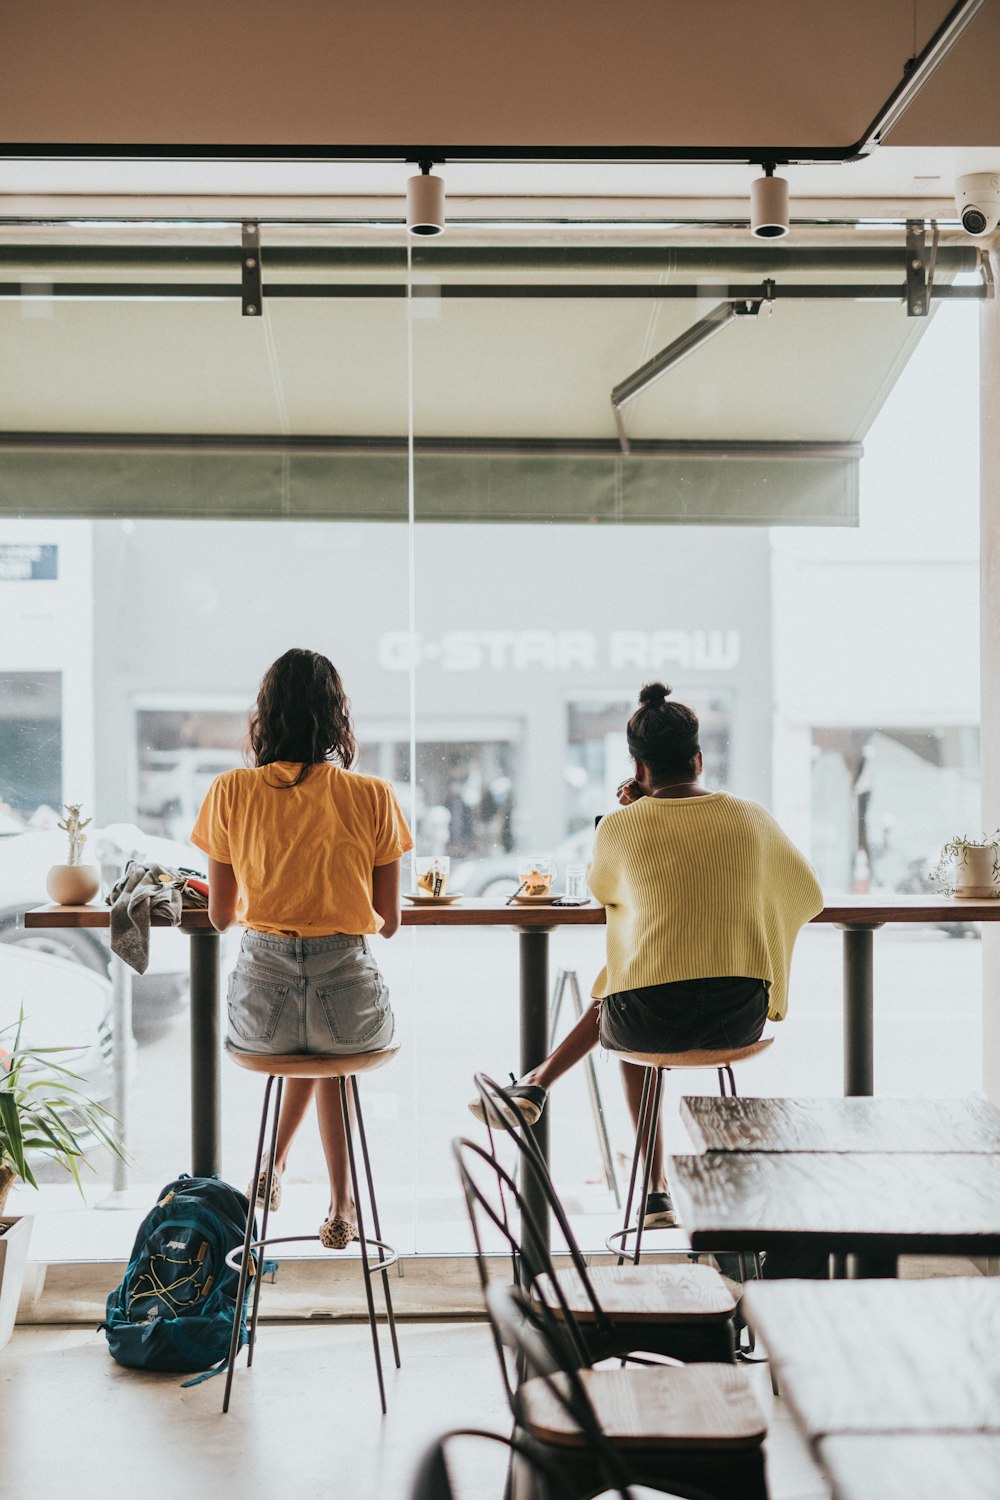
(65, 1004)
(159, 995)
(497, 875)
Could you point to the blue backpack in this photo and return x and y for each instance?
(174, 1309)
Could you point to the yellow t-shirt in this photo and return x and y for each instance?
(698, 888)
(303, 855)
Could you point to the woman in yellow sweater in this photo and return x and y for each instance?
(304, 854)
(704, 896)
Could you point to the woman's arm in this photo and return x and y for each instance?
(222, 894)
(385, 896)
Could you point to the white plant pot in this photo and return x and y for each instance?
(974, 877)
(13, 1260)
(73, 885)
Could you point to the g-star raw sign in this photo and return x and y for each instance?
(562, 650)
(22, 562)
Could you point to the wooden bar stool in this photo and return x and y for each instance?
(656, 1065)
(306, 1065)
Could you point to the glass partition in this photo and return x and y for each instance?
(772, 507)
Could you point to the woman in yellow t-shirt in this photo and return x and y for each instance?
(304, 854)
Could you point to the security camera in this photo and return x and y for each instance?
(977, 198)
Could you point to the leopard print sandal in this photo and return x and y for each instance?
(337, 1233)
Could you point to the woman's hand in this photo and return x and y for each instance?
(630, 791)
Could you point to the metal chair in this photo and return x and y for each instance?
(696, 1429)
(682, 1311)
(303, 1065)
(536, 1476)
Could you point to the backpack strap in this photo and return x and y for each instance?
(206, 1374)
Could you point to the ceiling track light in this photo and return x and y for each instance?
(425, 202)
(769, 205)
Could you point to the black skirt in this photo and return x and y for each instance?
(687, 1015)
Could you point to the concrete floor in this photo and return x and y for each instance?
(304, 1421)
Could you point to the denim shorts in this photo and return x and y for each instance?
(686, 1015)
(319, 994)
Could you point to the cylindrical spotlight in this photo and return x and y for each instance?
(769, 205)
(425, 202)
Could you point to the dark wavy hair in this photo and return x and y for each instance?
(664, 736)
(302, 714)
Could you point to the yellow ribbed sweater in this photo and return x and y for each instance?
(698, 888)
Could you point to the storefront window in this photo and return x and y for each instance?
(186, 493)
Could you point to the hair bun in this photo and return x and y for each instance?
(654, 695)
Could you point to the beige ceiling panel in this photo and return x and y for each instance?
(569, 72)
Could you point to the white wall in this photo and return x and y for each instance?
(880, 625)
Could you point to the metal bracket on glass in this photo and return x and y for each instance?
(917, 297)
(253, 287)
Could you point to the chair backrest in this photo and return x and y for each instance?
(532, 1335)
(498, 1104)
(490, 1194)
(432, 1480)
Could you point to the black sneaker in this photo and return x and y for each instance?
(658, 1212)
(527, 1099)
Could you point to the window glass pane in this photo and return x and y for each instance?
(572, 592)
(185, 492)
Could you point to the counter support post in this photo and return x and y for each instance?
(859, 1008)
(121, 1085)
(534, 955)
(206, 1107)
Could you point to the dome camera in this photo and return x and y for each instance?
(977, 198)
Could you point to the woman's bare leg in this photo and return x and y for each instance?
(331, 1130)
(632, 1078)
(295, 1098)
(572, 1049)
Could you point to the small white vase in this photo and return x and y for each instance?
(73, 885)
(974, 878)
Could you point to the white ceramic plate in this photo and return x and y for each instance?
(425, 900)
(536, 900)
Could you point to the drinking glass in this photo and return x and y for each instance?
(536, 875)
(431, 874)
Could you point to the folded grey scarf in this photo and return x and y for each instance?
(142, 890)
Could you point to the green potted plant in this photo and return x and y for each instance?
(969, 868)
(41, 1110)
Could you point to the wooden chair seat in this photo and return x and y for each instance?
(706, 1407)
(314, 1065)
(721, 1057)
(647, 1294)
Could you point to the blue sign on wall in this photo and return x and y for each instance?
(23, 562)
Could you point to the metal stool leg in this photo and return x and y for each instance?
(372, 1323)
(265, 1215)
(647, 1077)
(651, 1133)
(375, 1220)
(245, 1260)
